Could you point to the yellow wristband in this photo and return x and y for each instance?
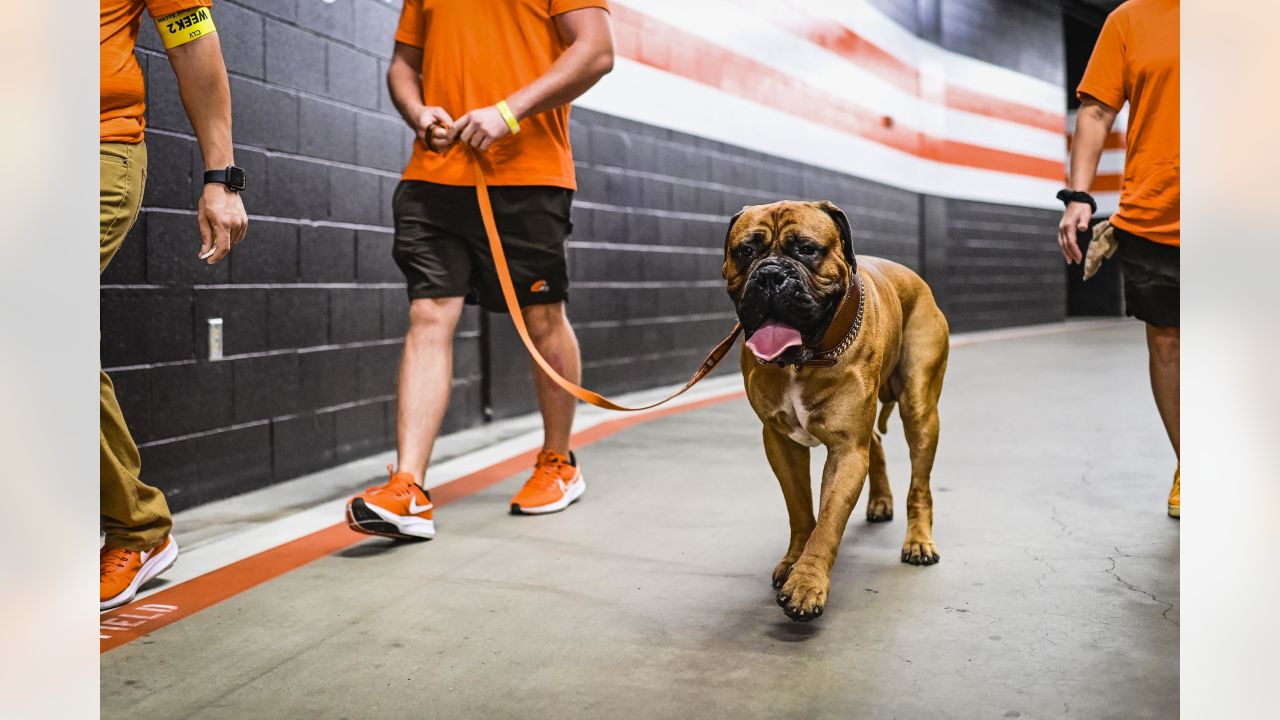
(509, 116)
(184, 26)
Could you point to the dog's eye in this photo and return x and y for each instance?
(807, 249)
(744, 252)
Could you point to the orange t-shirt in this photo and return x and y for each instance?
(1136, 59)
(122, 98)
(475, 53)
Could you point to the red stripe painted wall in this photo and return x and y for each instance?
(653, 42)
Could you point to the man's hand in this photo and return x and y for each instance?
(222, 220)
(481, 128)
(1093, 124)
(439, 124)
(1075, 219)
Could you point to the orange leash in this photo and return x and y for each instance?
(513, 307)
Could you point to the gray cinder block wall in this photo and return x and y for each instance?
(314, 309)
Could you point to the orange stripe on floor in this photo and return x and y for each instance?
(142, 617)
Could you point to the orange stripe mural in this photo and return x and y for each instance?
(662, 46)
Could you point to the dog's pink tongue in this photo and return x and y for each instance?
(772, 339)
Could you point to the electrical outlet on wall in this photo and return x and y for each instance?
(215, 338)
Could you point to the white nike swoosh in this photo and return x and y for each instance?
(415, 508)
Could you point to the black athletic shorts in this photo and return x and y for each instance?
(441, 247)
(1151, 271)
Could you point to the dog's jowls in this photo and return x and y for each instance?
(787, 266)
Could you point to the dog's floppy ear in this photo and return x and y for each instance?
(842, 225)
(729, 232)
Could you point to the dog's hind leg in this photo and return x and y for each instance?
(924, 363)
(921, 424)
(790, 462)
(880, 497)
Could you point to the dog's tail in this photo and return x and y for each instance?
(885, 411)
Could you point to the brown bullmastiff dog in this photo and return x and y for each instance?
(829, 334)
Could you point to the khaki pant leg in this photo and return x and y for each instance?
(134, 514)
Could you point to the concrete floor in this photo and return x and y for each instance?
(1057, 594)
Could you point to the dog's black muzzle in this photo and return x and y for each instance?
(776, 290)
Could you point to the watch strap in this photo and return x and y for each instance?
(232, 176)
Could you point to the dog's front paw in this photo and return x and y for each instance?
(922, 552)
(804, 594)
(880, 509)
(782, 570)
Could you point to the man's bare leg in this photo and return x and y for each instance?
(554, 338)
(1162, 347)
(426, 374)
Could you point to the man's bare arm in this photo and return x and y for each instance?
(206, 96)
(1093, 125)
(588, 56)
(404, 81)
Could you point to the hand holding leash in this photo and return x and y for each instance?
(484, 126)
(434, 128)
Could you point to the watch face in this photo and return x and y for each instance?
(235, 178)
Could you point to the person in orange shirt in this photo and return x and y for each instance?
(1136, 60)
(507, 72)
(135, 517)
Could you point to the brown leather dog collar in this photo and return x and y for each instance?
(843, 329)
(840, 334)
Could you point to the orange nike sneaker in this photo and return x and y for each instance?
(555, 485)
(1175, 495)
(400, 509)
(121, 572)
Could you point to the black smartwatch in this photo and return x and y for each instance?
(1068, 196)
(232, 177)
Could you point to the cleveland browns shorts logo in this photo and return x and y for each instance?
(540, 286)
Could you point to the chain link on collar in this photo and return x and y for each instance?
(853, 331)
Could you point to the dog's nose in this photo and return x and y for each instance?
(770, 276)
